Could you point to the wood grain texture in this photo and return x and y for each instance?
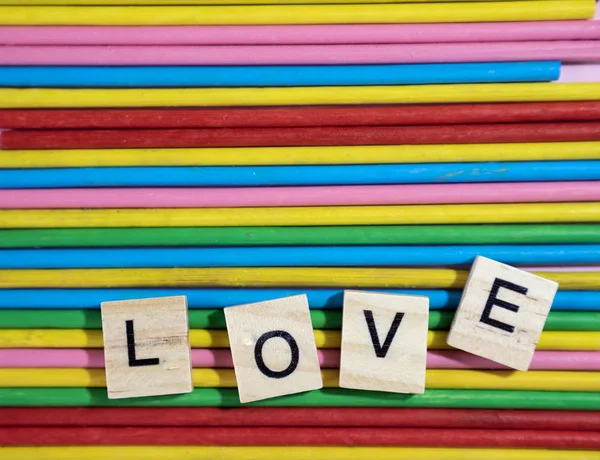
(270, 117)
(384, 342)
(308, 136)
(210, 338)
(298, 14)
(11, 98)
(273, 348)
(146, 347)
(294, 436)
(502, 313)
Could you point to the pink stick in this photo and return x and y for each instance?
(517, 192)
(300, 35)
(565, 51)
(204, 357)
(589, 73)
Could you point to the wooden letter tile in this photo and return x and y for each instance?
(273, 347)
(502, 313)
(147, 347)
(384, 342)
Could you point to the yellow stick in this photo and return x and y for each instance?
(299, 216)
(225, 378)
(298, 14)
(377, 154)
(277, 96)
(399, 278)
(288, 453)
(213, 2)
(209, 338)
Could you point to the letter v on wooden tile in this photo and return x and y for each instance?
(384, 342)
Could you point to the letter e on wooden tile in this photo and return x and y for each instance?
(502, 313)
(384, 342)
(273, 348)
(147, 347)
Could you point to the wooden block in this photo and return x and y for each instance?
(147, 347)
(273, 348)
(502, 313)
(384, 342)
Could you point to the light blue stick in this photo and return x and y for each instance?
(307, 256)
(294, 75)
(218, 176)
(218, 298)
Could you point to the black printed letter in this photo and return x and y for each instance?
(258, 348)
(493, 301)
(380, 351)
(133, 362)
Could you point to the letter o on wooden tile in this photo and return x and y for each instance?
(273, 348)
(147, 347)
(384, 342)
(502, 313)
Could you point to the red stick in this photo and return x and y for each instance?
(256, 137)
(302, 417)
(407, 437)
(265, 117)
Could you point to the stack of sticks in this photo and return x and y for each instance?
(245, 152)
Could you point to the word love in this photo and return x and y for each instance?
(383, 344)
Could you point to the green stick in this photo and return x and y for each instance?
(228, 397)
(302, 236)
(214, 319)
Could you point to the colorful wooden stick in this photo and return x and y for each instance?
(301, 35)
(537, 10)
(219, 298)
(260, 156)
(295, 75)
(304, 216)
(294, 96)
(520, 192)
(302, 256)
(568, 52)
(214, 319)
(217, 338)
(278, 436)
(264, 117)
(328, 358)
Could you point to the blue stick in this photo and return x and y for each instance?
(307, 256)
(219, 298)
(219, 176)
(294, 75)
